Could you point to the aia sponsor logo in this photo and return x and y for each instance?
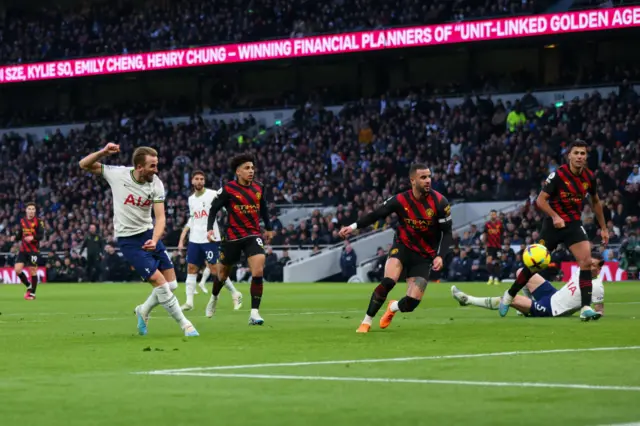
(201, 214)
(131, 200)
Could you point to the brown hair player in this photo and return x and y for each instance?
(493, 231)
(562, 198)
(422, 240)
(30, 233)
(244, 200)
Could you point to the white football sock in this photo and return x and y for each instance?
(152, 300)
(484, 302)
(255, 313)
(394, 306)
(367, 320)
(190, 287)
(169, 302)
(228, 284)
(149, 304)
(206, 273)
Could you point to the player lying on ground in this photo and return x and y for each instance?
(136, 191)
(244, 200)
(30, 233)
(422, 240)
(546, 301)
(202, 250)
(562, 199)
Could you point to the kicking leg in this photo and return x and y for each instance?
(159, 279)
(169, 301)
(392, 272)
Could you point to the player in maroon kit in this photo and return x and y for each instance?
(30, 234)
(562, 199)
(493, 230)
(244, 201)
(422, 240)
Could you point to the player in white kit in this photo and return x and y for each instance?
(201, 250)
(546, 301)
(136, 191)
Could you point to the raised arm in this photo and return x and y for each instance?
(388, 207)
(91, 162)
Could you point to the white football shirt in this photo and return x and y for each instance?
(199, 206)
(132, 200)
(567, 300)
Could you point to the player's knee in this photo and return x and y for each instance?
(388, 283)
(584, 262)
(408, 304)
(518, 272)
(157, 279)
(192, 269)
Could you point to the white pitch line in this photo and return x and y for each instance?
(376, 360)
(622, 424)
(416, 381)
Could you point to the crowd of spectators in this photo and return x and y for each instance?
(106, 27)
(481, 150)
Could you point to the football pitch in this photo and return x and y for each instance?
(73, 357)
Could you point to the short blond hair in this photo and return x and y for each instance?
(140, 155)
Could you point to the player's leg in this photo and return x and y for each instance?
(206, 273)
(230, 252)
(465, 299)
(392, 272)
(33, 270)
(256, 266)
(213, 253)
(582, 252)
(418, 271)
(236, 296)
(19, 270)
(162, 282)
(490, 266)
(190, 286)
(497, 269)
(523, 304)
(549, 237)
(149, 266)
(195, 261)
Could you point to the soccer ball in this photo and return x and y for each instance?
(536, 257)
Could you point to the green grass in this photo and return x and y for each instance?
(68, 358)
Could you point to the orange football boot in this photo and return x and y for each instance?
(364, 328)
(385, 321)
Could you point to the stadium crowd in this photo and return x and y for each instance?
(353, 160)
(98, 27)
